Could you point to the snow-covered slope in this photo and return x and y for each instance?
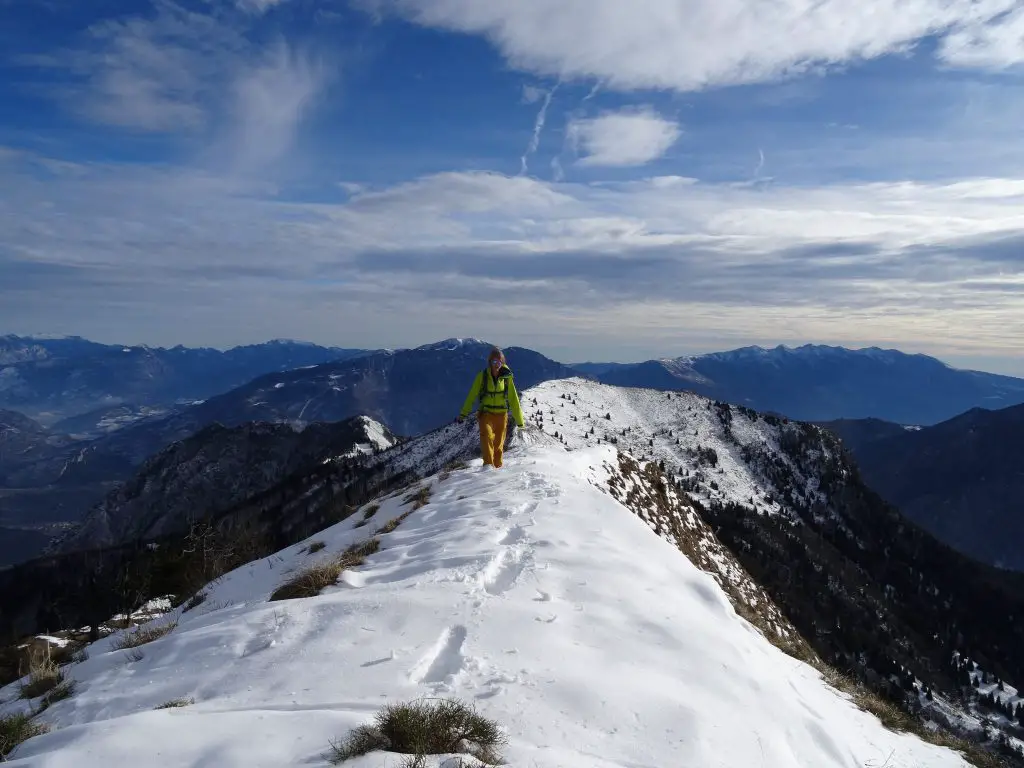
(530, 593)
(685, 430)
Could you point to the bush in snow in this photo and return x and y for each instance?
(419, 498)
(141, 635)
(310, 581)
(14, 729)
(393, 523)
(425, 728)
(43, 676)
(175, 703)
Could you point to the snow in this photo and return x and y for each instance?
(646, 415)
(377, 439)
(529, 592)
(60, 642)
(376, 434)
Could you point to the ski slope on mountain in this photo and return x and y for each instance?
(529, 592)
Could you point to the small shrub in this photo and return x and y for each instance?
(418, 498)
(44, 675)
(174, 703)
(15, 729)
(195, 601)
(63, 691)
(311, 581)
(371, 511)
(315, 547)
(146, 633)
(393, 523)
(420, 729)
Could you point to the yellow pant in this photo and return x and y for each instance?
(492, 436)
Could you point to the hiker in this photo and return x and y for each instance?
(497, 394)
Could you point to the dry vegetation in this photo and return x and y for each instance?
(175, 703)
(419, 729)
(43, 676)
(143, 634)
(418, 498)
(310, 581)
(370, 512)
(15, 729)
(393, 523)
(315, 547)
(900, 721)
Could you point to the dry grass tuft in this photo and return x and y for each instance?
(420, 728)
(141, 635)
(898, 720)
(44, 675)
(315, 547)
(393, 523)
(175, 703)
(311, 581)
(418, 498)
(16, 729)
(65, 690)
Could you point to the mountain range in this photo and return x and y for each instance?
(819, 382)
(962, 479)
(55, 379)
(211, 471)
(50, 479)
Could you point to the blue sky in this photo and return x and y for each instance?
(596, 179)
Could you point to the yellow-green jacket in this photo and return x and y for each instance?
(495, 395)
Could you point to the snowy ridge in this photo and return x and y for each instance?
(378, 438)
(531, 593)
(677, 428)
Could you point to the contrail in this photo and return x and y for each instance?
(760, 165)
(538, 126)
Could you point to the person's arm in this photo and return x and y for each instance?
(513, 401)
(474, 391)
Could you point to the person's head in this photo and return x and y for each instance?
(495, 359)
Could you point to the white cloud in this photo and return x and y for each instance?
(690, 44)
(258, 6)
(153, 74)
(601, 264)
(196, 76)
(995, 45)
(271, 99)
(629, 137)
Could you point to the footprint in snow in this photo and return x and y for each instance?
(444, 660)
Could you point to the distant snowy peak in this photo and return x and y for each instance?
(782, 352)
(452, 344)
